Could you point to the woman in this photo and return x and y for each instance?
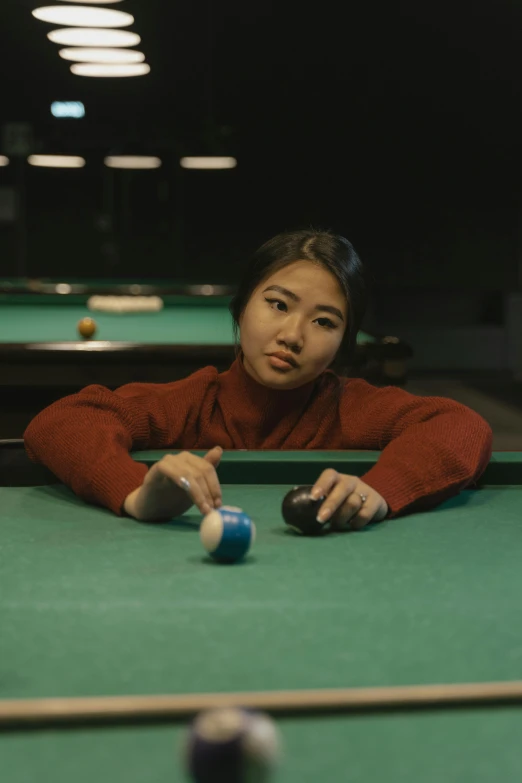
(298, 309)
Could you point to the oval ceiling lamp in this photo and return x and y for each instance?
(57, 161)
(135, 162)
(82, 16)
(108, 70)
(4, 161)
(92, 2)
(85, 36)
(213, 162)
(119, 56)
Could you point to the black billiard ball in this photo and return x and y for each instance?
(300, 511)
(231, 744)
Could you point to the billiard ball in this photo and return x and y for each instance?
(231, 745)
(227, 533)
(300, 511)
(87, 327)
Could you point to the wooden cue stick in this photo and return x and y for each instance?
(173, 708)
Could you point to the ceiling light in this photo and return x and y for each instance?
(69, 109)
(92, 2)
(208, 162)
(57, 161)
(82, 16)
(132, 162)
(83, 36)
(121, 56)
(4, 161)
(94, 69)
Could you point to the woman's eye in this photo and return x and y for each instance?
(275, 301)
(325, 322)
(328, 324)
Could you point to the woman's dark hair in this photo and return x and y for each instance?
(334, 253)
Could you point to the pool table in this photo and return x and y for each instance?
(42, 356)
(96, 605)
(40, 344)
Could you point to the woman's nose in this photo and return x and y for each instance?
(291, 331)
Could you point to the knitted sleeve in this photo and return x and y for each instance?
(431, 447)
(85, 438)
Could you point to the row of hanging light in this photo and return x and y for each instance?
(93, 40)
(136, 162)
(95, 44)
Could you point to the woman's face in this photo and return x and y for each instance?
(299, 311)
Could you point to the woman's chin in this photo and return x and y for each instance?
(265, 372)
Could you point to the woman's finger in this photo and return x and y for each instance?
(374, 511)
(208, 479)
(337, 496)
(324, 483)
(186, 480)
(353, 513)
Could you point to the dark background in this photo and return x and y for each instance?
(397, 124)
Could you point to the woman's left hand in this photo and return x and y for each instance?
(343, 506)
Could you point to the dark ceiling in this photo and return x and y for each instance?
(272, 69)
(357, 115)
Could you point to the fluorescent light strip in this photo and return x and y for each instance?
(120, 56)
(132, 162)
(83, 36)
(92, 2)
(57, 161)
(209, 162)
(100, 70)
(82, 16)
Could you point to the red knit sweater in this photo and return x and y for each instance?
(432, 447)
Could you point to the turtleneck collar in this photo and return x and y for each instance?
(255, 411)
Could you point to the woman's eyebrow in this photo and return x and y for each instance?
(291, 295)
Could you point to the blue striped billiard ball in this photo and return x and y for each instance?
(227, 533)
(231, 745)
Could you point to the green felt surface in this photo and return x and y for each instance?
(482, 746)
(205, 323)
(179, 324)
(95, 604)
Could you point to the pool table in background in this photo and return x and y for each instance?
(97, 605)
(42, 356)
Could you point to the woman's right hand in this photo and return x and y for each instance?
(162, 495)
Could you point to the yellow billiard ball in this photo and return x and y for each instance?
(87, 327)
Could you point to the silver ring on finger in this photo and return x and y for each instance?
(185, 483)
(363, 497)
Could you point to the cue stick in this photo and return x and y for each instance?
(45, 713)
